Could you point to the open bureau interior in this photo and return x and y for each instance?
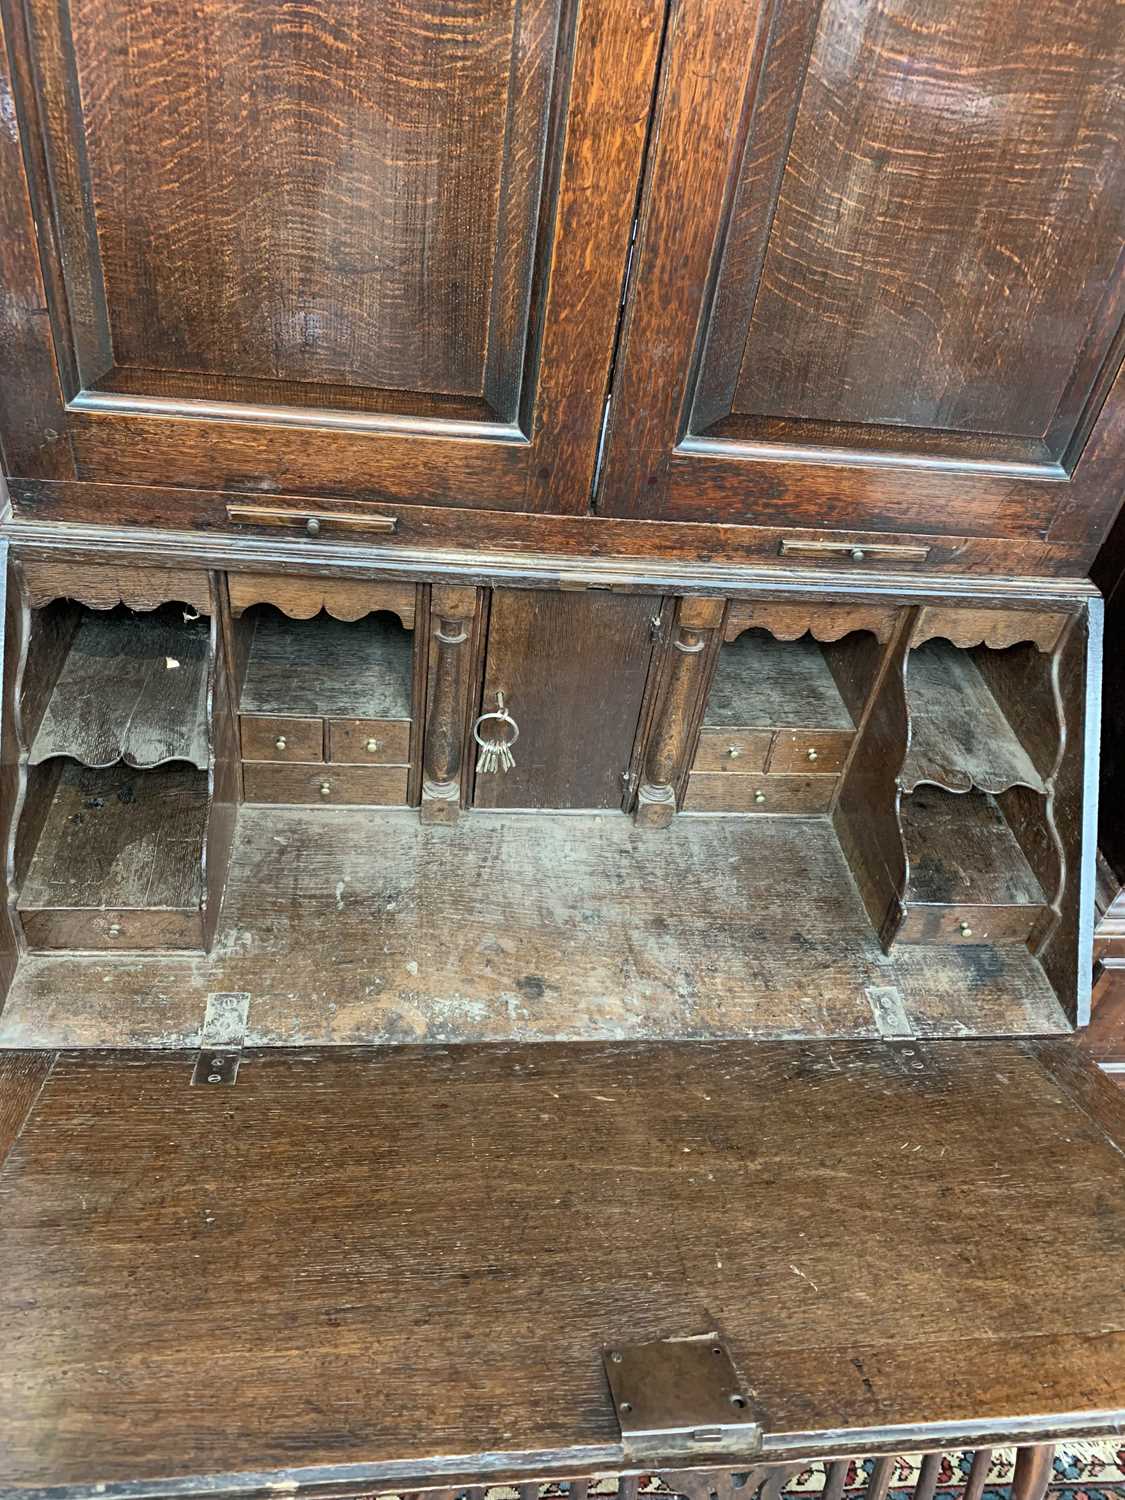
(389, 810)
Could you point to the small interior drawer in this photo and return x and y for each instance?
(112, 931)
(810, 751)
(342, 786)
(968, 925)
(273, 738)
(714, 791)
(733, 749)
(376, 742)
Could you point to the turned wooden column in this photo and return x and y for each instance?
(452, 612)
(677, 712)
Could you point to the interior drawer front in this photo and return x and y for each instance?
(343, 786)
(810, 751)
(268, 738)
(968, 925)
(113, 931)
(733, 749)
(714, 791)
(376, 742)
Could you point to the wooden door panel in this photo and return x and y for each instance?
(913, 218)
(340, 217)
(572, 668)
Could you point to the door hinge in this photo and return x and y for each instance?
(681, 1399)
(221, 1037)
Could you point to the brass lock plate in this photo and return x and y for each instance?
(681, 1398)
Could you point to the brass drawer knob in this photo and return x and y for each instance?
(115, 929)
(325, 788)
(812, 755)
(371, 746)
(280, 742)
(734, 752)
(759, 797)
(964, 929)
(858, 554)
(312, 526)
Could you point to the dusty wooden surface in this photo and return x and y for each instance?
(764, 682)
(359, 926)
(328, 667)
(120, 838)
(132, 688)
(959, 737)
(373, 1257)
(960, 848)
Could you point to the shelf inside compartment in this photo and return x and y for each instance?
(962, 851)
(356, 926)
(764, 683)
(118, 847)
(959, 736)
(327, 668)
(132, 688)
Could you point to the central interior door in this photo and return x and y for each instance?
(572, 669)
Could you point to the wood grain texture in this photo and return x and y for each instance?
(456, 632)
(103, 587)
(714, 792)
(865, 812)
(327, 786)
(133, 689)
(353, 925)
(22, 1076)
(761, 682)
(120, 838)
(401, 232)
(844, 210)
(572, 669)
(316, 193)
(533, 1138)
(824, 622)
(343, 598)
(277, 737)
(945, 234)
(39, 505)
(959, 737)
(994, 628)
(328, 668)
(960, 849)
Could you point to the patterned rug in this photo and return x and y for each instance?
(1082, 1471)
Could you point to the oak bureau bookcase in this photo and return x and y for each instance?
(548, 752)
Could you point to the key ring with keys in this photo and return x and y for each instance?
(496, 754)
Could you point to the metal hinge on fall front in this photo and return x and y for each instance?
(681, 1398)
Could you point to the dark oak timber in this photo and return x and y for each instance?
(345, 1336)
